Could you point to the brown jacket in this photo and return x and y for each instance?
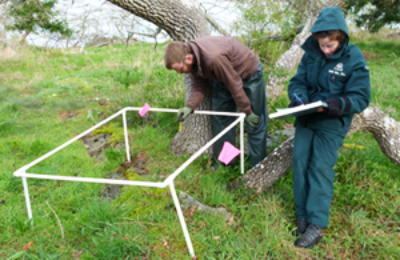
(226, 60)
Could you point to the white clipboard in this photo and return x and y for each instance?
(298, 111)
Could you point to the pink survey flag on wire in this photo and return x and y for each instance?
(228, 153)
(144, 110)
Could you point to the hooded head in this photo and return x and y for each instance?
(330, 30)
(330, 18)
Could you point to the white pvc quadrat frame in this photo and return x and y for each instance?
(169, 181)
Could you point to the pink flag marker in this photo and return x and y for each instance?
(144, 110)
(228, 153)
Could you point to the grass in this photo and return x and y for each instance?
(48, 96)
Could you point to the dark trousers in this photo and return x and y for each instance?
(314, 155)
(222, 100)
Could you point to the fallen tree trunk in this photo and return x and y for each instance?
(385, 130)
(269, 170)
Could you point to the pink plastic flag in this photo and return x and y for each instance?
(144, 110)
(228, 153)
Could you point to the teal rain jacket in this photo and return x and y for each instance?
(343, 75)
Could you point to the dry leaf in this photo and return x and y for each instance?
(202, 225)
(27, 246)
(125, 238)
(192, 210)
(77, 255)
(231, 221)
(165, 244)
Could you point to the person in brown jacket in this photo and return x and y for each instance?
(235, 76)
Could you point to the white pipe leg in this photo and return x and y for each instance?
(128, 155)
(242, 145)
(27, 200)
(181, 219)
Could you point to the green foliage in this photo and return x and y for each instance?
(261, 22)
(382, 12)
(34, 16)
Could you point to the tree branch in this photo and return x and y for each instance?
(215, 25)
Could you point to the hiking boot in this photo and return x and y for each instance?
(302, 225)
(310, 238)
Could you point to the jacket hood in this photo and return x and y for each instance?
(330, 18)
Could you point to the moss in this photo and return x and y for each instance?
(132, 176)
(116, 132)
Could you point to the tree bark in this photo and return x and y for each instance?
(183, 20)
(385, 130)
(268, 171)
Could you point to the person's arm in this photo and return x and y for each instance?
(225, 73)
(298, 83)
(357, 94)
(357, 91)
(199, 90)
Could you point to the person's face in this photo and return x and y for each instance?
(328, 46)
(184, 67)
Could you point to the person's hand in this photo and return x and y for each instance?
(334, 109)
(252, 119)
(298, 100)
(184, 112)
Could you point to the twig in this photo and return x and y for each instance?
(59, 222)
(154, 35)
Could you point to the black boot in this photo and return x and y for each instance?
(311, 237)
(302, 225)
(215, 166)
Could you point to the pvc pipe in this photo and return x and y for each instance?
(21, 172)
(27, 200)
(153, 109)
(242, 145)
(91, 180)
(200, 112)
(122, 111)
(181, 219)
(199, 152)
(128, 155)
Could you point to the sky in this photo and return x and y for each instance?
(93, 18)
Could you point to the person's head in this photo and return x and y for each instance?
(329, 41)
(178, 57)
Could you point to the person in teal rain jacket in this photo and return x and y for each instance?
(333, 71)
